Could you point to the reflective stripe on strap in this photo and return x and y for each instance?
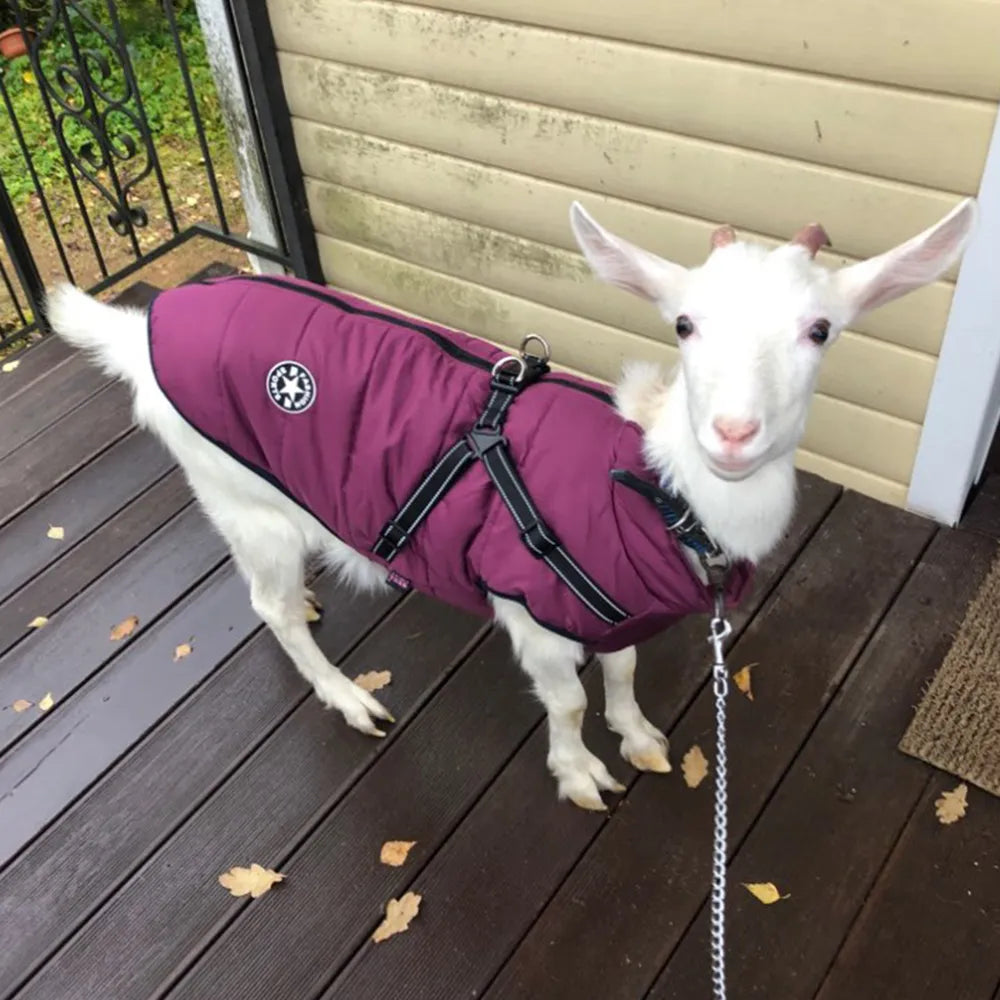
(486, 442)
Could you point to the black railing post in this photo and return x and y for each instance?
(20, 254)
(274, 124)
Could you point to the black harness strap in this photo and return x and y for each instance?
(680, 519)
(486, 443)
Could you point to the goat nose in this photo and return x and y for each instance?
(734, 431)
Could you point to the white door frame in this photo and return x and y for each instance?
(964, 406)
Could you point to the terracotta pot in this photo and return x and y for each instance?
(14, 42)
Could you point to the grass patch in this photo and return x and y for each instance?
(157, 70)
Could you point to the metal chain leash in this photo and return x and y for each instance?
(719, 630)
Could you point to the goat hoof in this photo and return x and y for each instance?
(314, 612)
(581, 780)
(650, 760)
(591, 803)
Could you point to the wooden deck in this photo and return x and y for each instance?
(121, 805)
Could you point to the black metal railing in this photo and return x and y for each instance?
(94, 223)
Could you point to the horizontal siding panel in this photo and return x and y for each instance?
(854, 479)
(949, 47)
(679, 174)
(875, 130)
(858, 369)
(538, 209)
(865, 439)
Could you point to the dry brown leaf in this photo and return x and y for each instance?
(398, 914)
(694, 767)
(373, 680)
(951, 806)
(124, 629)
(766, 892)
(254, 880)
(46, 703)
(22, 705)
(742, 680)
(10, 366)
(184, 649)
(39, 621)
(394, 852)
(56, 532)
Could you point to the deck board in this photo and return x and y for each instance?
(120, 806)
(834, 820)
(480, 910)
(805, 640)
(66, 575)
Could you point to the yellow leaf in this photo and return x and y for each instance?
(951, 806)
(11, 366)
(398, 914)
(21, 705)
(766, 892)
(124, 629)
(254, 880)
(373, 680)
(39, 622)
(46, 703)
(694, 767)
(394, 852)
(184, 649)
(28, 76)
(56, 532)
(742, 680)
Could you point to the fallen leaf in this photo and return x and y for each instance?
(951, 806)
(56, 532)
(38, 622)
(373, 680)
(694, 767)
(766, 892)
(398, 914)
(11, 366)
(742, 680)
(46, 703)
(191, 200)
(312, 615)
(21, 705)
(28, 77)
(184, 649)
(254, 880)
(124, 629)
(394, 852)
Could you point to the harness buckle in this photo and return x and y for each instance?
(540, 539)
(394, 534)
(484, 439)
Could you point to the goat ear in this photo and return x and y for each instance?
(919, 261)
(620, 263)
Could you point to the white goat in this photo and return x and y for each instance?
(753, 327)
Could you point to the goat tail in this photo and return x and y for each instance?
(114, 336)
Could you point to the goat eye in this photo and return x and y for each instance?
(819, 331)
(684, 327)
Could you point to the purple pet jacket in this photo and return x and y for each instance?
(344, 406)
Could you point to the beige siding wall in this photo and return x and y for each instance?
(444, 142)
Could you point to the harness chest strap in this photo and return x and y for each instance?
(486, 443)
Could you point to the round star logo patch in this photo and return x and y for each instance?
(291, 386)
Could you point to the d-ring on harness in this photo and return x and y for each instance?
(485, 442)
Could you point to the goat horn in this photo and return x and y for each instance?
(812, 237)
(723, 236)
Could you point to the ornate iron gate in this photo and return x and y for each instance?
(110, 155)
